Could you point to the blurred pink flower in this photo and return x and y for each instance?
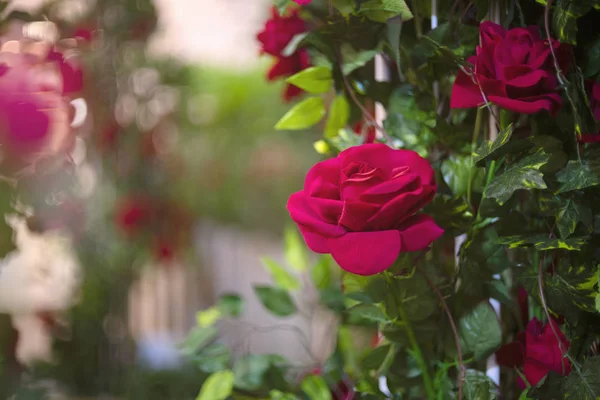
(34, 114)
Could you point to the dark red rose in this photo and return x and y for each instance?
(361, 207)
(274, 38)
(537, 351)
(72, 74)
(514, 69)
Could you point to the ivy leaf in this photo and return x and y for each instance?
(250, 371)
(339, 114)
(569, 289)
(354, 60)
(568, 215)
(218, 386)
(451, 213)
(457, 171)
(576, 176)
(367, 311)
(542, 242)
(478, 386)
(276, 300)
(316, 388)
(382, 10)
(303, 115)
(585, 386)
(493, 150)
(315, 80)
(564, 18)
(480, 331)
(282, 277)
(525, 174)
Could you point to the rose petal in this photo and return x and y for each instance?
(314, 241)
(366, 253)
(465, 93)
(418, 232)
(511, 355)
(328, 171)
(356, 214)
(401, 208)
(550, 102)
(303, 214)
(328, 210)
(405, 183)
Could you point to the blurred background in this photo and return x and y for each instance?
(178, 189)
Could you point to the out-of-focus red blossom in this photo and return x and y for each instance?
(134, 213)
(108, 136)
(371, 131)
(34, 114)
(537, 351)
(593, 90)
(303, 2)
(72, 74)
(84, 34)
(274, 38)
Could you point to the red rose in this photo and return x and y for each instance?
(514, 69)
(276, 35)
(537, 351)
(593, 90)
(361, 207)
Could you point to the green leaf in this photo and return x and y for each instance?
(279, 395)
(493, 150)
(569, 289)
(345, 7)
(208, 317)
(394, 30)
(218, 386)
(231, 305)
(524, 174)
(213, 358)
(321, 272)
(568, 215)
(592, 62)
(368, 311)
(542, 242)
(576, 176)
(451, 213)
(198, 338)
(584, 386)
(303, 115)
(477, 386)
(339, 114)
(316, 388)
(282, 5)
(564, 18)
(382, 10)
(276, 300)
(315, 80)
(480, 331)
(250, 371)
(457, 170)
(282, 277)
(354, 60)
(295, 250)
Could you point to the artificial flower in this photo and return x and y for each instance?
(361, 207)
(513, 69)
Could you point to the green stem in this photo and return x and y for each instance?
(429, 388)
(473, 148)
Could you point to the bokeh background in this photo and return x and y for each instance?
(190, 73)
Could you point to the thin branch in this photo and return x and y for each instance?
(461, 366)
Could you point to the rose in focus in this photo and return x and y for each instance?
(513, 69)
(274, 38)
(537, 351)
(361, 207)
